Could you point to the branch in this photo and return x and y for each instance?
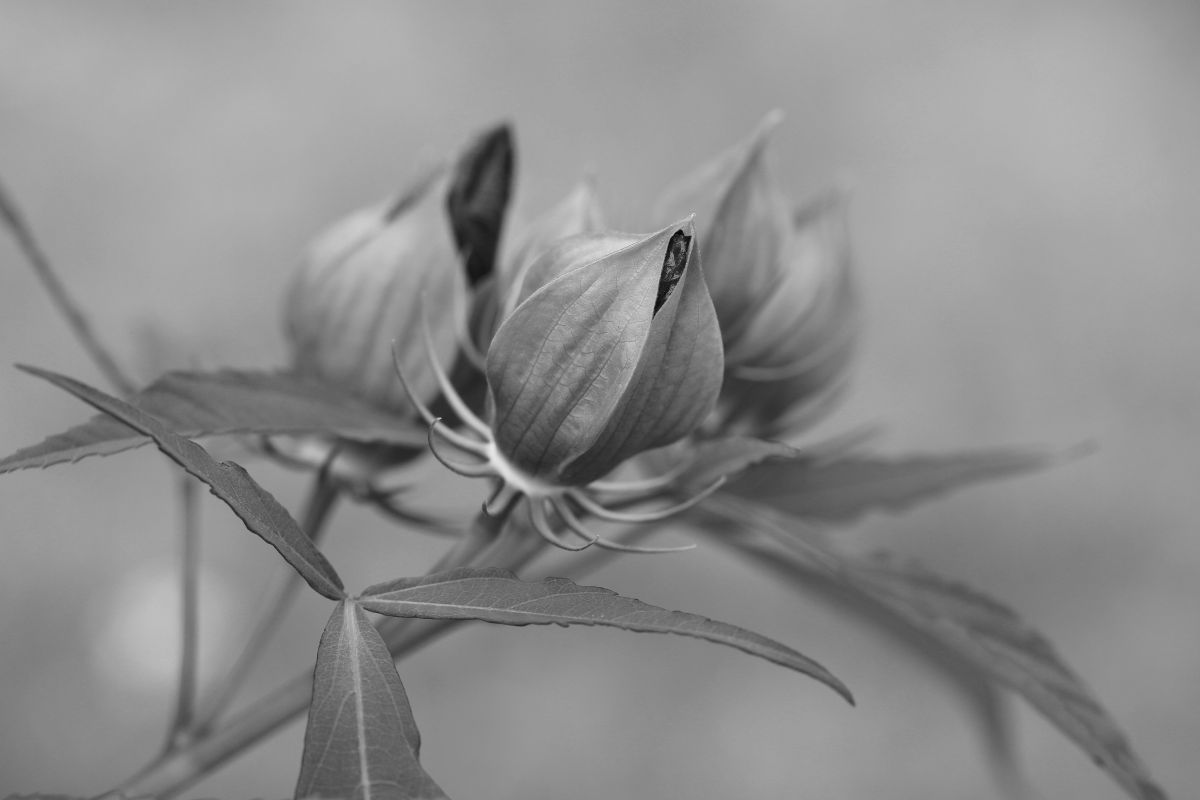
(71, 311)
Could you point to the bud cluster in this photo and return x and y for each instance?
(582, 347)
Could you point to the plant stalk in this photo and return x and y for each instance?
(59, 296)
(489, 542)
(322, 497)
(189, 602)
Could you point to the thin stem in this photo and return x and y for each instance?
(321, 499)
(490, 542)
(189, 569)
(77, 321)
(63, 301)
(483, 532)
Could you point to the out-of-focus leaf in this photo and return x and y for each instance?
(253, 504)
(983, 698)
(729, 457)
(846, 488)
(227, 402)
(362, 742)
(499, 596)
(984, 633)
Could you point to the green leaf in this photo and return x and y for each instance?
(226, 402)
(362, 741)
(253, 504)
(499, 596)
(984, 633)
(846, 488)
(984, 700)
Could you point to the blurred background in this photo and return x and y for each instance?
(1025, 195)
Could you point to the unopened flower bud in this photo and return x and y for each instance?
(579, 212)
(617, 353)
(781, 285)
(362, 285)
(613, 350)
(365, 282)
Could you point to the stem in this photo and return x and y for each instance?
(321, 498)
(489, 541)
(189, 567)
(63, 301)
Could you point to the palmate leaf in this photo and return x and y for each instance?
(499, 596)
(195, 404)
(985, 702)
(253, 504)
(361, 742)
(984, 633)
(842, 489)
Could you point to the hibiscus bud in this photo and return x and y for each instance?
(618, 351)
(785, 391)
(578, 212)
(365, 282)
(781, 286)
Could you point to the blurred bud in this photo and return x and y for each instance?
(615, 352)
(782, 289)
(579, 212)
(365, 282)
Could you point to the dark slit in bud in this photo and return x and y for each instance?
(672, 268)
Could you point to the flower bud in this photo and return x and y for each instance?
(365, 282)
(786, 391)
(578, 212)
(781, 286)
(618, 351)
